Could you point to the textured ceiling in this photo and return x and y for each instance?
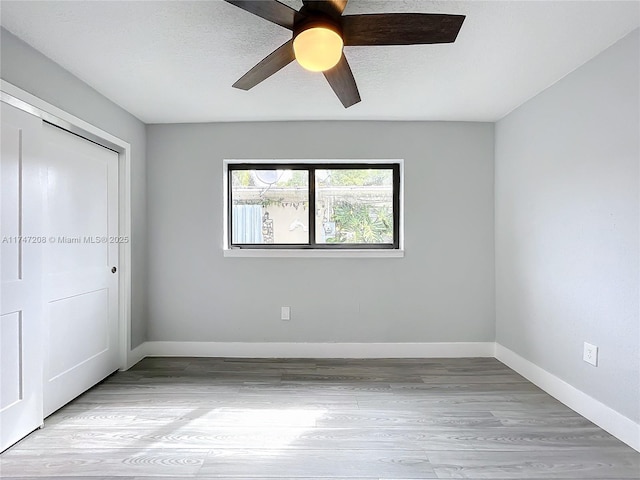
(175, 61)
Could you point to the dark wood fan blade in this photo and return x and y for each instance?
(330, 7)
(400, 28)
(271, 10)
(279, 58)
(344, 85)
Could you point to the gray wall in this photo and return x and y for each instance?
(567, 227)
(442, 290)
(31, 71)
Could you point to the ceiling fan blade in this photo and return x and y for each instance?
(279, 58)
(271, 10)
(330, 7)
(400, 28)
(344, 85)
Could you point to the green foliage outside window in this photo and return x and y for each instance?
(361, 223)
(359, 178)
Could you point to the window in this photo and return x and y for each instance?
(319, 206)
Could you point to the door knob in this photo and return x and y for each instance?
(114, 269)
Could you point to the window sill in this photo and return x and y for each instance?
(302, 253)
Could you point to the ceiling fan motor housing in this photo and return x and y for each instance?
(316, 20)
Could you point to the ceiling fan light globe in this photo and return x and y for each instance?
(318, 49)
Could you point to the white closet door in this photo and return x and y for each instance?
(20, 275)
(80, 289)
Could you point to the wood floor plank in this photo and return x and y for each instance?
(460, 388)
(472, 378)
(374, 418)
(80, 477)
(539, 403)
(137, 401)
(323, 463)
(566, 418)
(92, 462)
(588, 464)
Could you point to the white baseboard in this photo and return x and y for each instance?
(135, 355)
(605, 417)
(319, 350)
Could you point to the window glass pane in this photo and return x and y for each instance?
(354, 206)
(269, 206)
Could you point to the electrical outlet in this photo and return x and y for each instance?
(590, 354)
(285, 313)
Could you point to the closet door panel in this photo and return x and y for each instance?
(81, 266)
(21, 244)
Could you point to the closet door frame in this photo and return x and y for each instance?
(33, 105)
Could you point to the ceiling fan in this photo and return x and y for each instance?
(320, 32)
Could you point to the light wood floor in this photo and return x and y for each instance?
(294, 419)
